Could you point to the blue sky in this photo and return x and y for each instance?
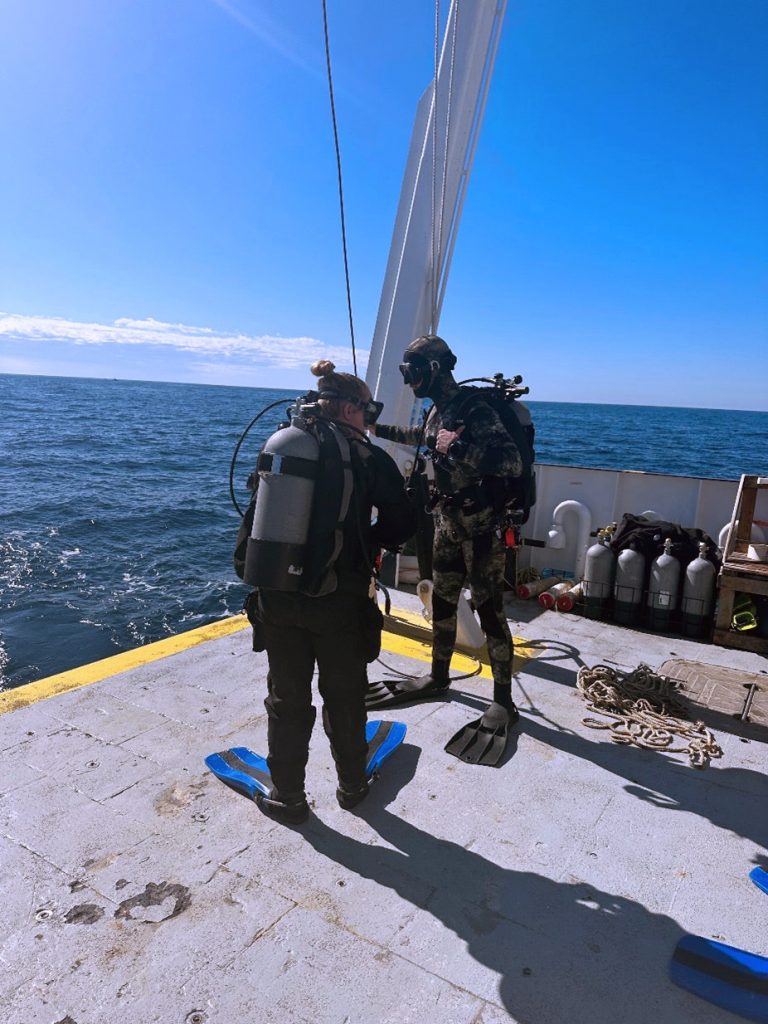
(168, 204)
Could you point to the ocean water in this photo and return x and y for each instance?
(116, 526)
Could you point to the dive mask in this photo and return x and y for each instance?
(419, 372)
(371, 411)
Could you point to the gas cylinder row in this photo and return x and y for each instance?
(671, 590)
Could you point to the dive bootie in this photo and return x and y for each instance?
(289, 812)
(248, 774)
(484, 741)
(389, 693)
(383, 739)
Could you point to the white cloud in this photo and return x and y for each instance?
(254, 350)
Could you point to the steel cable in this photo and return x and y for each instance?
(341, 189)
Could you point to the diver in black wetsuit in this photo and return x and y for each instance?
(339, 631)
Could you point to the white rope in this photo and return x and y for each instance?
(644, 711)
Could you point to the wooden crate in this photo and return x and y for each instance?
(740, 574)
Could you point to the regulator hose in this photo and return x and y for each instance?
(242, 437)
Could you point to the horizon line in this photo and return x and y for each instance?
(299, 391)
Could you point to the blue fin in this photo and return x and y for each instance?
(723, 975)
(383, 739)
(242, 770)
(248, 773)
(760, 877)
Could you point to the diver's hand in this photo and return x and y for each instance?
(445, 439)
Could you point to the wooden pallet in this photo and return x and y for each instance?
(739, 573)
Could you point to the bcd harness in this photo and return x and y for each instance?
(512, 496)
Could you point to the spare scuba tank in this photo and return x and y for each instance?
(628, 592)
(549, 598)
(598, 576)
(698, 594)
(568, 598)
(536, 587)
(663, 588)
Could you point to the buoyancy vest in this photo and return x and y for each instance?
(515, 495)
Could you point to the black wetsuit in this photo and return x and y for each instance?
(334, 632)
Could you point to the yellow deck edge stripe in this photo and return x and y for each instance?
(96, 671)
(421, 650)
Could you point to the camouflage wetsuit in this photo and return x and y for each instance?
(468, 545)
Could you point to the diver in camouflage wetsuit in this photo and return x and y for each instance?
(473, 454)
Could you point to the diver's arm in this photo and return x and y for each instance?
(396, 520)
(400, 435)
(491, 452)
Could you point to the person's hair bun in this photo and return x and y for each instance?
(322, 368)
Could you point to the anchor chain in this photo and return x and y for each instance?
(645, 713)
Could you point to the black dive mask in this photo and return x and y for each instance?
(419, 373)
(371, 409)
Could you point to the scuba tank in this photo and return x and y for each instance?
(549, 598)
(567, 600)
(525, 591)
(598, 576)
(278, 555)
(663, 588)
(628, 592)
(698, 594)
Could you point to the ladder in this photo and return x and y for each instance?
(741, 574)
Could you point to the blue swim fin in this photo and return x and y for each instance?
(723, 975)
(760, 877)
(248, 773)
(242, 770)
(383, 739)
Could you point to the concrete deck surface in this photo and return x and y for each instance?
(137, 888)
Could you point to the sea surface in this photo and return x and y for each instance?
(116, 525)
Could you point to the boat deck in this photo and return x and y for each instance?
(136, 887)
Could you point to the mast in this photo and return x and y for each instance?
(432, 197)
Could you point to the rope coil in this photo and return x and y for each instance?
(645, 713)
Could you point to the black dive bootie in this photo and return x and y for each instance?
(349, 798)
(294, 811)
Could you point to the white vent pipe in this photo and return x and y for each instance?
(558, 538)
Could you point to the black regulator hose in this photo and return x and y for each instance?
(243, 436)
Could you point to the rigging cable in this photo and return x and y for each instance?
(432, 324)
(341, 191)
(438, 218)
(436, 312)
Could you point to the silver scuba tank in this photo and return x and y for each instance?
(698, 594)
(598, 576)
(287, 469)
(628, 592)
(663, 588)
